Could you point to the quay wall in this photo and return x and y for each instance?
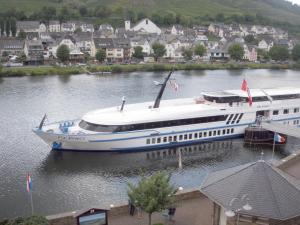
(69, 218)
(184, 195)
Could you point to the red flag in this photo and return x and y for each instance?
(245, 88)
(244, 85)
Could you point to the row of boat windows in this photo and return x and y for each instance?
(286, 111)
(189, 136)
(295, 122)
(234, 118)
(143, 126)
(230, 99)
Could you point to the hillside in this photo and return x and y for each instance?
(277, 10)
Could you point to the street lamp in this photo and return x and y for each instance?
(244, 205)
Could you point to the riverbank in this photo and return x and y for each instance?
(54, 70)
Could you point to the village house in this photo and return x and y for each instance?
(143, 26)
(34, 52)
(68, 27)
(31, 26)
(218, 54)
(106, 28)
(117, 49)
(86, 27)
(54, 26)
(83, 42)
(250, 53)
(11, 46)
(265, 44)
(142, 42)
(177, 30)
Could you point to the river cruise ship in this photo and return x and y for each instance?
(169, 123)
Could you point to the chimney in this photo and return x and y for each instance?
(127, 24)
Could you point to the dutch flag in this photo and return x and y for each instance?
(28, 183)
(278, 138)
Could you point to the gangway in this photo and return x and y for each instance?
(281, 128)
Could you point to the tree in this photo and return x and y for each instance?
(279, 53)
(249, 38)
(100, 55)
(2, 26)
(22, 34)
(21, 58)
(169, 19)
(158, 50)
(7, 28)
(200, 50)
(296, 52)
(83, 10)
(152, 194)
(13, 27)
(262, 55)
(63, 53)
(236, 52)
(157, 18)
(187, 54)
(36, 220)
(138, 52)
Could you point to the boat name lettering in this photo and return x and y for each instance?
(71, 138)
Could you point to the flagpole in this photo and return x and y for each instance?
(31, 201)
(273, 146)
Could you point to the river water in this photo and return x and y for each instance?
(66, 181)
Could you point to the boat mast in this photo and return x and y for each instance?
(161, 91)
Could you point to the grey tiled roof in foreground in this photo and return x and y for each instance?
(272, 193)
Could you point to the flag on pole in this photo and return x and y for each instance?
(28, 183)
(278, 138)
(246, 88)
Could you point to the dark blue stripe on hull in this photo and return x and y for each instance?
(158, 147)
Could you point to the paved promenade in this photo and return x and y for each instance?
(197, 211)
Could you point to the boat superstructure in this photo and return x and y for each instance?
(142, 126)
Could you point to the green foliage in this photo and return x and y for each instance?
(279, 53)
(200, 50)
(187, 54)
(296, 52)
(32, 220)
(138, 52)
(22, 35)
(263, 55)
(250, 39)
(158, 50)
(236, 52)
(100, 55)
(63, 53)
(152, 194)
(21, 58)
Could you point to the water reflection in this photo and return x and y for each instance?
(132, 164)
